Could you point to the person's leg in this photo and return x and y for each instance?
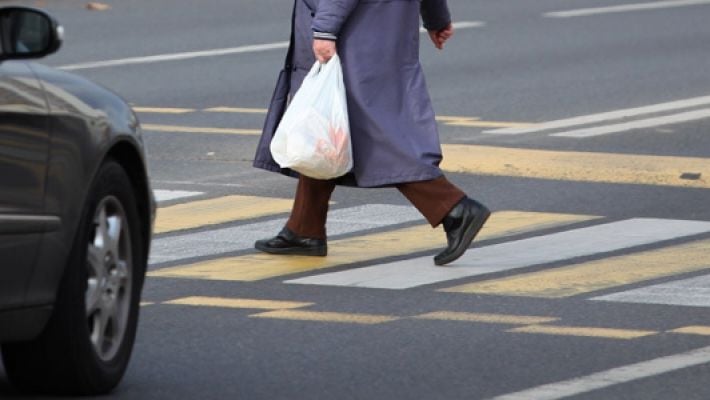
(434, 198)
(441, 202)
(310, 207)
(304, 233)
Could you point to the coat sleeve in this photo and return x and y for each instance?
(330, 17)
(435, 14)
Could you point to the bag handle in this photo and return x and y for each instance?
(288, 64)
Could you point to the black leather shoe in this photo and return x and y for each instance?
(462, 224)
(287, 242)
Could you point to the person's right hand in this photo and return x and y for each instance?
(324, 50)
(441, 36)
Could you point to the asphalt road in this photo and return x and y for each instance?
(588, 133)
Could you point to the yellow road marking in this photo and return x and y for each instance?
(318, 316)
(607, 333)
(253, 267)
(600, 274)
(287, 310)
(146, 303)
(238, 303)
(475, 122)
(162, 110)
(576, 166)
(216, 211)
(239, 110)
(486, 318)
(196, 129)
(693, 330)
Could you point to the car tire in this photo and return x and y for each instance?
(87, 343)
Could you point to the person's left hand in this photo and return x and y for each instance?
(441, 36)
(324, 50)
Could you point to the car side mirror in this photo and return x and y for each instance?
(28, 33)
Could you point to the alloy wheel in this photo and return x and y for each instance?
(109, 269)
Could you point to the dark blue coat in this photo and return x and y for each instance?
(394, 133)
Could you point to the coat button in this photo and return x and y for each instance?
(313, 14)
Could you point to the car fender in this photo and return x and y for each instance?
(88, 124)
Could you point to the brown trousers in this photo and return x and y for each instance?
(434, 199)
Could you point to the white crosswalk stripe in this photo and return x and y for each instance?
(694, 292)
(167, 195)
(514, 255)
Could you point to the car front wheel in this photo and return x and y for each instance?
(87, 343)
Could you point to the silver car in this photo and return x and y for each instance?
(76, 214)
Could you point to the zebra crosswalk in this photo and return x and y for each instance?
(362, 248)
(385, 246)
(514, 255)
(652, 116)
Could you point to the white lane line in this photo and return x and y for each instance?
(167, 195)
(625, 8)
(226, 240)
(606, 116)
(468, 24)
(212, 53)
(611, 377)
(513, 255)
(176, 56)
(694, 292)
(162, 110)
(462, 25)
(639, 124)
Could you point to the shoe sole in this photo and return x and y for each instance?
(468, 237)
(316, 251)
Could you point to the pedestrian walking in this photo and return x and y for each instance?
(395, 141)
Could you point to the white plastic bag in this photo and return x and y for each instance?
(313, 137)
